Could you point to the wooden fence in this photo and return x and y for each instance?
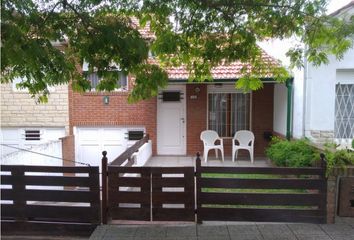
(149, 193)
(261, 194)
(55, 204)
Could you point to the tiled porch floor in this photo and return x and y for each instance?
(186, 161)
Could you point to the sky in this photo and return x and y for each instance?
(336, 4)
(277, 48)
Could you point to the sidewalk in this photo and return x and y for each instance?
(344, 230)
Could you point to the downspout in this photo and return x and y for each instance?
(289, 86)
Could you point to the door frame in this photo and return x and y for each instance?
(182, 88)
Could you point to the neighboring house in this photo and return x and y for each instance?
(26, 124)
(329, 96)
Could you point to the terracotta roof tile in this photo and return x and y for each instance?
(145, 31)
(222, 71)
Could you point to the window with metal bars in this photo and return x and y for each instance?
(344, 111)
(228, 113)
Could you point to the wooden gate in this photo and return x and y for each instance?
(261, 194)
(149, 194)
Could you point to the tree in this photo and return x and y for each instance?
(44, 41)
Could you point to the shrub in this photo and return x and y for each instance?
(339, 158)
(295, 153)
(353, 143)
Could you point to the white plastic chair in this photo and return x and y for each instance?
(245, 139)
(209, 138)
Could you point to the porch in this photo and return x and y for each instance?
(188, 161)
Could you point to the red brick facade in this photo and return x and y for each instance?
(262, 118)
(88, 109)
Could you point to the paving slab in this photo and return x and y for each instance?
(211, 231)
(227, 231)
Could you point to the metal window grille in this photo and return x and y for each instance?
(228, 113)
(344, 111)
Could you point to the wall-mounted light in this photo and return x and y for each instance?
(197, 90)
(106, 100)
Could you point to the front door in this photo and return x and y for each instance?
(171, 121)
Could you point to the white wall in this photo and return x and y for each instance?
(280, 105)
(298, 104)
(320, 92)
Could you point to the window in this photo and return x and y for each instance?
(17, 80)
(122, 80)
(228, 113)
(344, 111)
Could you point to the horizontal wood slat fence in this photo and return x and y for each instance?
(150, 193)
(35, 201)
(261, 194)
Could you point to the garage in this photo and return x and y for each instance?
(91, 141)
(33, 138)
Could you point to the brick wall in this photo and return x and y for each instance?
(68, 150)
(88, 109)
(262, 119)
(196, 117)
(262, 116)
(18, 109)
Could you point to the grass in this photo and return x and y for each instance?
(247, 176)
(239, 190)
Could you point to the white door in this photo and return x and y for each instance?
(171, 122)
(91, 141)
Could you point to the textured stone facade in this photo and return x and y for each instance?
(18, 109)
(319, 136)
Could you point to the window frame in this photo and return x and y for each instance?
(227, 89)
(337, 123)
(121, 89)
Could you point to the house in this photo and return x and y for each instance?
(176, 117)
(328, 96)
(26, 124)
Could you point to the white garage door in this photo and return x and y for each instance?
(91, 141)
(27, 137)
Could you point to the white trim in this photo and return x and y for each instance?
(223, 88)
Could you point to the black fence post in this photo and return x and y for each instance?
(198, 189)
(323, 205)
(104, 187)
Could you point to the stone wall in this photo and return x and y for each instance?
(18, 109)
(319, 136)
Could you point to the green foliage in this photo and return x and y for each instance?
(353, 143)
(197, 34)
(339, 158)
(295, 153)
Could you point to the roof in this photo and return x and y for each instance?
(349, 5)
(144, 31)
(222, 71)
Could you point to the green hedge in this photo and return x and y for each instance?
(294, 153)
(339, 158)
